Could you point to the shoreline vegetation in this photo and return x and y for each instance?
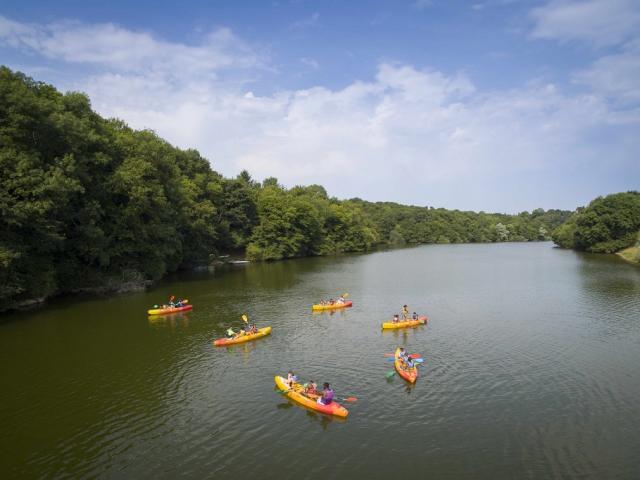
(609, 224)
(89, 205)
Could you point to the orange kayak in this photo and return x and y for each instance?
(262, 332)
(296, 393)
(404, 323)
(409, 374)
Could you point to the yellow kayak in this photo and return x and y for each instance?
(164, 311)
(262, 332)
(333, 306)
(404, 323)
(296, 393)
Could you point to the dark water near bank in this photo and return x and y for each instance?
(532, 371)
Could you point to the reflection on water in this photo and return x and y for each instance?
(530, 371)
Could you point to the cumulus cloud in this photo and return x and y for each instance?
(310, 62)
(599, 22)
(406, 134)
(405, 125)
(110, 46)
(616, 76)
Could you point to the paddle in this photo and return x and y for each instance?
(348, 399)
(417, 360)
(390, 374)
(244, 317)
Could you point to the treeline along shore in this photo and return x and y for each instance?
(89, 204)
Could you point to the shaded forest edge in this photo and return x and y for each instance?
(90, 205)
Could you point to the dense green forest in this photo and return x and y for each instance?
(88, 203)
(607, 225)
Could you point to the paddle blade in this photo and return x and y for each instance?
(390, 359)
(345, 295)
(390, 374)
(389, 354)
(350, 399)
(415, 355)
(418, 360)
(186, 300)
(246, 320)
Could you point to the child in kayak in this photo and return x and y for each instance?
(327, 394)
(231, 333)
(396, 319)
(415, 316)
(405, 312)
(311, 388)
(291, 379)
(402, 354)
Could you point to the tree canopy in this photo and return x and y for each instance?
(607, 225)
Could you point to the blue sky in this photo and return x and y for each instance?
(495, 105)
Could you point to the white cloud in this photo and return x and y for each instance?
(407, 134)
(598, 22)
(422, 4)
(305, 23)
(310, 62)
(405, 125)
(107, 45)
(616, 76)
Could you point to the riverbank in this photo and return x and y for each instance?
(631, 254)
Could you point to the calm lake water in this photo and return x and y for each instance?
(531, 371)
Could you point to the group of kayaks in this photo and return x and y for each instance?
(296, 391)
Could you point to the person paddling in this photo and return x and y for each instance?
(405, 312)
(327, 394)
